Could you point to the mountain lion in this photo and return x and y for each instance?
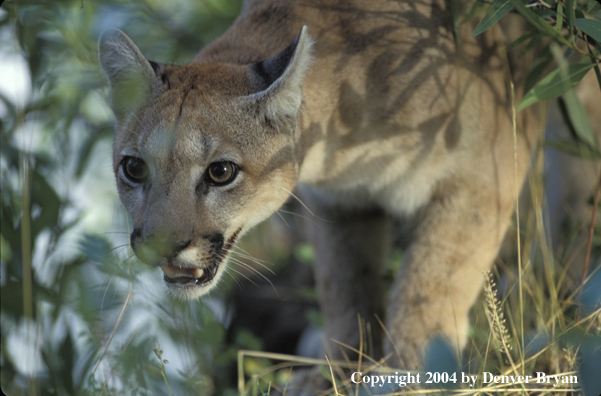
(376, 109)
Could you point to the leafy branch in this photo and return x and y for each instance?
(573, 27)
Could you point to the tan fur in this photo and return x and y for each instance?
(378, 113)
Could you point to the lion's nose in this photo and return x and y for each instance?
(154, 247)
(167, 248)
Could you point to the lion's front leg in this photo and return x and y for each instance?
(442, 275)
(351, 248)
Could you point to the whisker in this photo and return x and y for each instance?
(303, 217)
(283, 219)
(106, 289)
(131, 256)
(293, 214)
(227, 271)
(246, 254)
(243, 275)
(118, 247)
(235, 261)
(114, 232)
(254, 269)
(302, 203)
(247, 266)
(262, 263)
(256, 261)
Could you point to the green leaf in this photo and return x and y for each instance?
(570, 15)
(304, 252)
(496, 12)
(590, 27)
(573, 148)
(45, 197)
(455, 7)
(95, 248)
(11, 231)
(11, 299)
(592, 6)
(556, 83)
(211, 333)
(88, 145)
(532, 44)
(66, 352)
(579, 120)
(526, 36)
(560, 16)
(538, 22)
(473, 11)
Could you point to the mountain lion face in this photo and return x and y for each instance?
(202, 154)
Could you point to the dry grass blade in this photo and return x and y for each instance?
(121, 314)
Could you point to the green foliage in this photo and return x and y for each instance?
(493, 15)
(67, 294)
(557, 83)
(539, 23)
(579, 121)
(575, 26)
(590, 27)
(569, 34)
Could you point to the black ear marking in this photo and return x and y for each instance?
(271, 69)
(156, 67)
(160, 73)
(278, 82)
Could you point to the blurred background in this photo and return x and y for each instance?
(81, 318)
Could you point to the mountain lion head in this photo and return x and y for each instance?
(202, 153)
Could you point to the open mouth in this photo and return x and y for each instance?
(189, 276)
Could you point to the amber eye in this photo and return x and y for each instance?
(135, 169)
(221, 173)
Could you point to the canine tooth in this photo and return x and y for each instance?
(169, 271)
(198, 273)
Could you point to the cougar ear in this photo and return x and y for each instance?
(130, 74)
(281, 78)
